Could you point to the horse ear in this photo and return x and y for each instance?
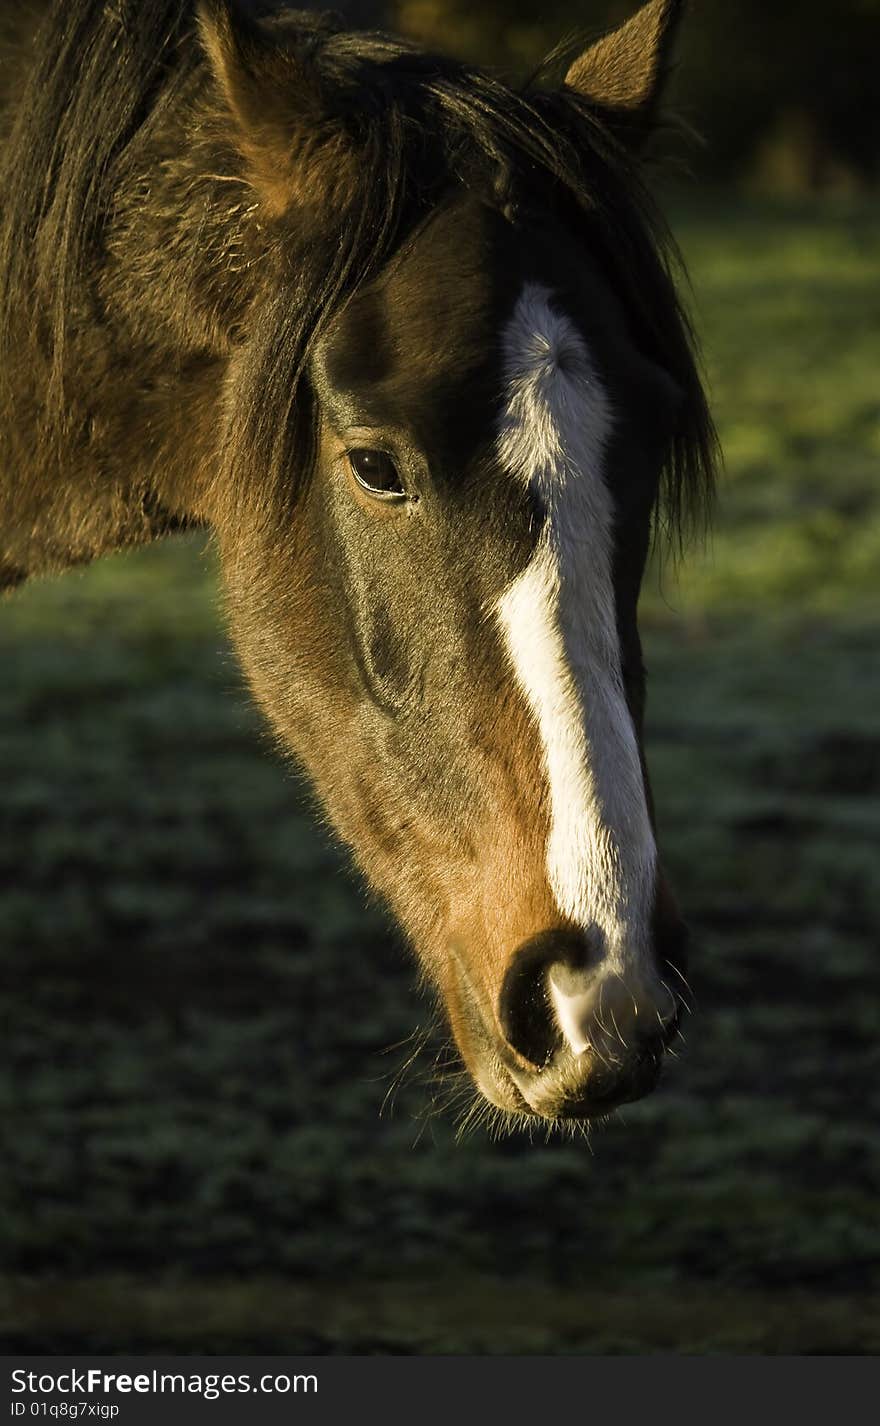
(625, 72)
(275, 98)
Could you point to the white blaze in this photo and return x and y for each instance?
(558, 619)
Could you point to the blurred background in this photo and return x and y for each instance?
(222, 1129)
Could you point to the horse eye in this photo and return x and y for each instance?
(376, 472)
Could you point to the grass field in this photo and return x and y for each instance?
(205, 1146)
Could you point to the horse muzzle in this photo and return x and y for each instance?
(576, 1032)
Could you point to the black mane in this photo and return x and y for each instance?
(105, 72)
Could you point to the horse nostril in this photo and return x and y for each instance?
(525, 1010)
(525, 1014)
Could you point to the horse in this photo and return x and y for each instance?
(408, 341)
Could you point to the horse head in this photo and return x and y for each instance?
(460, 397)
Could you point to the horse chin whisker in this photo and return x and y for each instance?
(398, 1076)
(691, 1002)
(408, 1070)
(476, 1112)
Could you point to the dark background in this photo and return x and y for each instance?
(785, 93)
(211, 1135)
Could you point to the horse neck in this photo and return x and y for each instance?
(143, 361)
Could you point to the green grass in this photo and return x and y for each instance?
(198, 1007)
(788, 306)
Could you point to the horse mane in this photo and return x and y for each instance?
(425, 127)
(93, 68)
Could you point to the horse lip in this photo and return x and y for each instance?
(551, 1098)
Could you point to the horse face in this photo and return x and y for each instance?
(442, 623)
(449, 644)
